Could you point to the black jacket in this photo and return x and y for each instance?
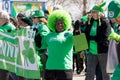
(103, 32)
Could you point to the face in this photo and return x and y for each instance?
(113, 20)
(59, 26)
(35, 20)
(117, 20)
(19, 21)
(95, 14)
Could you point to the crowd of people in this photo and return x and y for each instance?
(54, 43)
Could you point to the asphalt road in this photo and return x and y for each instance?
(80, 76)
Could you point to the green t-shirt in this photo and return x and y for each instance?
(60, 50)
(93, 44)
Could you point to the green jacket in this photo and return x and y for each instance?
(7, 27)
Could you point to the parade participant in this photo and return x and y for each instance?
(5, 26)
(13, 21)
(25, 23)
(39, 25)
(114, 16)
(19, 16)
(77, 58)
(97, 32)
(59, 43)
(84, 19)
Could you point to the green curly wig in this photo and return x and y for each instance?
(56, 15)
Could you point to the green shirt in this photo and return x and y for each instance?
(93, 44)
(60, 50)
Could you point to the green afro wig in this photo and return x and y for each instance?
(56, 15)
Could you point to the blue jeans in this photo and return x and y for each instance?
(92, 61)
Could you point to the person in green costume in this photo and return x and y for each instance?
(97, 31)
(114, 15)
(5, 26)
(41, 29)
(19, 16)
(59, 43)
(77, 55)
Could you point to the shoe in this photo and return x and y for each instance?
(81, 69)
(78, 72)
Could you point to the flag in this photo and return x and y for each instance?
(13, 12)
(18, 54)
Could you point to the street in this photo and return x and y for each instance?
(79, 76)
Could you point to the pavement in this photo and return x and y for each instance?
(80, 76)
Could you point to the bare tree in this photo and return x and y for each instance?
(54, 2)
(80, 6)
(78, 3)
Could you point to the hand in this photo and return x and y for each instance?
(110, 36)
(114, 36)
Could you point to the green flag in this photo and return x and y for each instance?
(18, 54)
(14, 13)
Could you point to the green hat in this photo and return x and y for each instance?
(57, 15)
(99, 7)
(84, 18)
(38, 13)
(113, 9)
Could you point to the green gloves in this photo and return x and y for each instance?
(114, 36)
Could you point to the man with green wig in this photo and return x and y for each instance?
(60, 47)
(114, 15)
